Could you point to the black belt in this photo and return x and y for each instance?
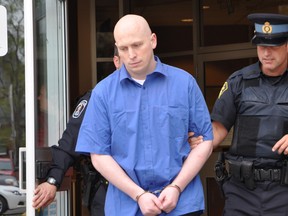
(267, 174)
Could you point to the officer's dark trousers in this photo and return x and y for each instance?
(267, 199)
(97, 205)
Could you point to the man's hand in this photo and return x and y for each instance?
(282, 145)
(169, 198)
(44, 194)
(194, 141)
(150, 205)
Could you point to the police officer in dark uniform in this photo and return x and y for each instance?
(255, 101)
(64, 156)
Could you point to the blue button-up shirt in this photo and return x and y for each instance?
(145, 128)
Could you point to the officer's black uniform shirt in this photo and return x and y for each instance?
(257, 106)
(64, 155)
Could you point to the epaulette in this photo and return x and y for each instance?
(252, 71)
(248, 72)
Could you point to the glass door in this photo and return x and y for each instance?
(12, 112)
(45, 96)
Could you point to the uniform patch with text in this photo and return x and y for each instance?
(79, 109)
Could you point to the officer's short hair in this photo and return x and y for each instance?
(270, 29)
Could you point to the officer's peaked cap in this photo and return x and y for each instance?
(270, 29)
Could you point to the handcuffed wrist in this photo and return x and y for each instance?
(175, 186)
(139, 195)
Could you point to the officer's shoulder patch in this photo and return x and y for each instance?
(79, 109)
(223, 89)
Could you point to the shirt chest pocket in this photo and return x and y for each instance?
(172, 120)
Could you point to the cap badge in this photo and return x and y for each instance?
(267, 28)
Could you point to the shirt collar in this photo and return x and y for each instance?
(255, 71)
(159, 69)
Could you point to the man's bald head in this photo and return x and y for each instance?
(131, 23)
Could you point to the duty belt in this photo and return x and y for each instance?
(267, 174)
(245, 171)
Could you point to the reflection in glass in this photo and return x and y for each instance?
(50, 88)
(49, 72)
(106, 17)
(42, 103)
(42, 117)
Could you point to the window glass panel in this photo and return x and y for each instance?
(49, 72)
(225, 22)
(106, 17)
(51, 83)
(12, 83)
(171, 20)
(183, 62)
(12, 101)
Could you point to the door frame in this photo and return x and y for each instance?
(62, 198)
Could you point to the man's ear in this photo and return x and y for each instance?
(153, 40)
(116, 61)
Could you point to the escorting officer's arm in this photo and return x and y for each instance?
(63, 156)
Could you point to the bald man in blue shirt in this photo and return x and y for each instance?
(136, 127)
